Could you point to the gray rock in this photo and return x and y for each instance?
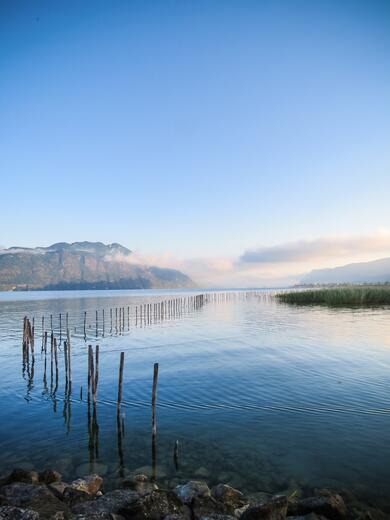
(75, 496)
(33, 496)
(48, 476)
(273, 509)
(23, 475)
(205, 507)
(112, 502)
(16, 513)
(157, 505)
(231, 498)
(99, 516)
(310, 516)
(194, 488)
(216, 516)
(58, 488)
(327, 503)
(140, 483)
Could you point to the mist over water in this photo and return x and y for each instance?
(264, 396)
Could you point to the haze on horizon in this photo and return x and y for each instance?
(242, 142)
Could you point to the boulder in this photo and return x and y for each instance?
(48, 476)
(231, 498)
(33, 496)
(310, 516)
(90, 484)
(140, 483)
(58, 488)
(98, 516)
(16, 513)
(75, 496)
(157, 505)
(112, 502)
(326, 503)
(205, 507)
(217, 516)
(23, 475)
(194, 488)
(274, 508)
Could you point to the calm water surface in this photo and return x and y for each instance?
(260, 395)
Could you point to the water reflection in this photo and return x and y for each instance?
(259, 395)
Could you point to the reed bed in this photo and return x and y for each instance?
(360, 296)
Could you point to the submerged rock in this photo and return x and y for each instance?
(273, 509)
(16, 513)
(140, 483)
(48, 476)
(326, 503)
(89, 468)
(23, 475)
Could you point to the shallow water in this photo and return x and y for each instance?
(260, 395)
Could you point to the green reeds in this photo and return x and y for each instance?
(346, 296)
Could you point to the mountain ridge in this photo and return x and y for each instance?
(374, 271)
(82, 265)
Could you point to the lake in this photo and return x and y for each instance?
(260, 395)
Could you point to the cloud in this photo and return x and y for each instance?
(277, 265)
(320, 249)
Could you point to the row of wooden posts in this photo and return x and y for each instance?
(143, 313)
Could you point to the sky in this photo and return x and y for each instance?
(243, 141)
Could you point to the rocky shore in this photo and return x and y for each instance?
(32, 495)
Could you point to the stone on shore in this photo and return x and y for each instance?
(90, 484)
(23, 475)
(193, 489)
(17, 513)
(33, 496)
(273, 509)
(231, 498)
(157, 505)
(48, 476)
(112, 502)
(140, 483)
(326, 503)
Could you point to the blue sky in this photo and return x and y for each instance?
(194, 129)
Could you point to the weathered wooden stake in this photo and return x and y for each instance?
(154, 398)
(120, 380)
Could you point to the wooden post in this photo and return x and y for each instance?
(96, 368)
(89, 370)
(154, 398)
(43, 332)
(69, 349)
(120, 380)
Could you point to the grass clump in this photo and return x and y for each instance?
(361, 296)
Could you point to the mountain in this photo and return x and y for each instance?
(81, 265)
(363, 272)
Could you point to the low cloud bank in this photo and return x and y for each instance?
(319, 249)
(272, 266)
